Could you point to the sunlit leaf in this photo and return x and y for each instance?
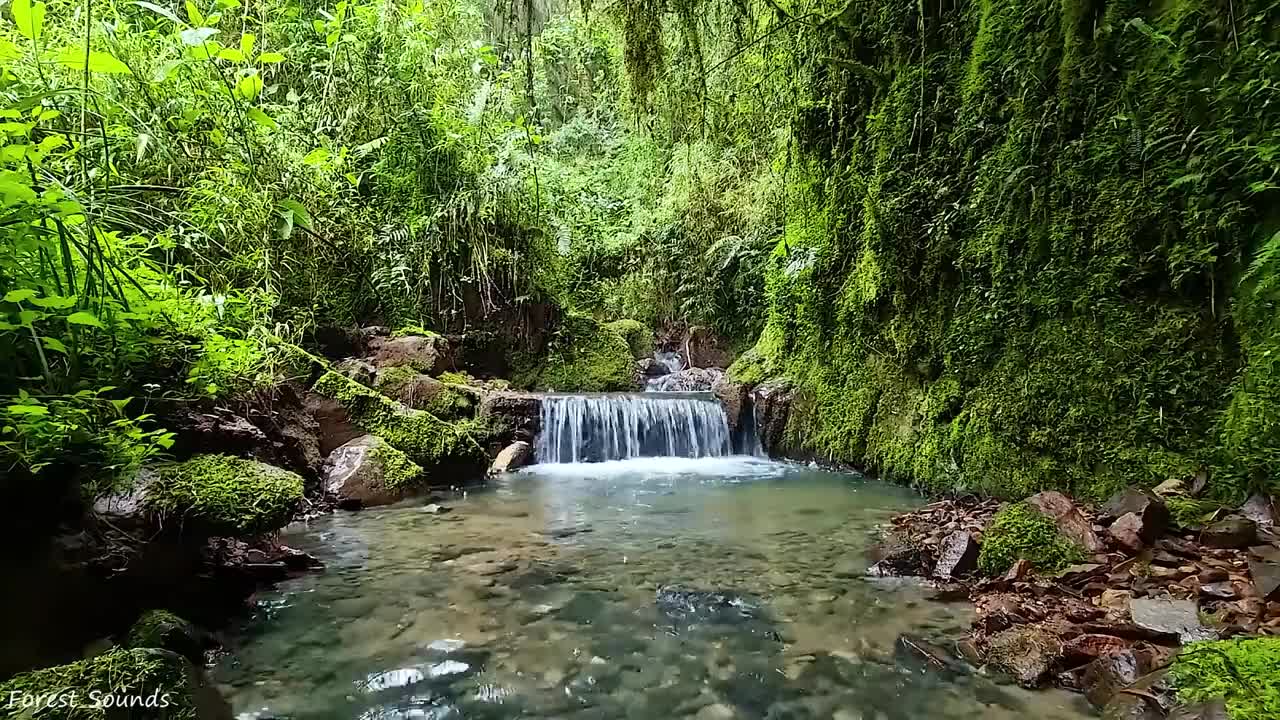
(29, 17)
(231, 55)
(319, 156)
(270, 57)
(193, 14)
(84, 318)
(20, 295)
(27, 410)
(263, 119)
(54, 302)
(54, 344)
(99, 61)
(249, 86)
(246, 44)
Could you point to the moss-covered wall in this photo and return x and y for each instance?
(1019, 265)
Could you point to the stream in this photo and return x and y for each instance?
(644, 588)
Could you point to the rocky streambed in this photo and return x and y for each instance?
(1113, 595)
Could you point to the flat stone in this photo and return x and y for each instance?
(1068, 518)
(1261, 510)
(1266, 579)
(1174, 618)
(1127, 532)
(957, 556)
(1212, 575)
(1232, 532)
(1147, 506)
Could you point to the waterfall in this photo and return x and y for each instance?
(592, 428)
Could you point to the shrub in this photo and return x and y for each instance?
(1244, 671)
(1019, 531)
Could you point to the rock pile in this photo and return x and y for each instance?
(1109, 624)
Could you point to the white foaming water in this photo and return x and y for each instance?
(728, 466)
(596, 428)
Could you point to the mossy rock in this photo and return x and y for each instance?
(152, 684)
(441, 397)
(426, 439)
(585, 356)
(208, 494)
(1020, 532)
(371, 472)
(1244, 671)
(162, 629)
(638, 337)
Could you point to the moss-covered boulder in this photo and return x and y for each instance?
(1019, 532)
(584, 356)
(208, 494)
(138, 684)
(162, 629)
(430, 354)
(448, 452)
(1243, 671)
(445, 400)
(369, 472)
(638, 337)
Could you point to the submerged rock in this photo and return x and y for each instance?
(689, 604)
(514, 456)
(1026, 652)
(370, 472)
(692, 379)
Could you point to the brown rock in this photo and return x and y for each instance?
(514, 456)
(427, 354)
(1167, 559)
(1116, 601)
(1020, 570)
(1212, 575)
(957, 556)
(1075, 574)
(1215, 709)
(1232, 532)
(1219, 591)
(1128, 532)
(1109, 673)
(1090, 646)
(1152, 514)
(1071, 523)
(1179, 547)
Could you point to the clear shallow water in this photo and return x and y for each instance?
(538, 597)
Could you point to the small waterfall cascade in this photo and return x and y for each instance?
(593, 428)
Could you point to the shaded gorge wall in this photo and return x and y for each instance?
(1022, 256)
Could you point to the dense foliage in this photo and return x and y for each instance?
(995, 247)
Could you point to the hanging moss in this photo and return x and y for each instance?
(1244, 671)
(428, 441)
(1018, 273)
(223, 495)
(1020, 532)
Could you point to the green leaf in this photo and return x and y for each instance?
(29, 18)
(297, 211)
(270, 57)
(231, 55)
(163, 12)
(27, 410)
(54, 344)
(319, 156)
(85, 318)
(263, 119)
(121, 404)
(193, 14)
(27, 317)
(99, 62)
(54, 302)
(246, 43)
(249, 86)
(15, 296)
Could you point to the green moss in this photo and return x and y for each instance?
(638, 337)
(453, 377)
(120, 673)
(398, 471)
(424, 438)
(440, 397)
(413, 331)
(1019, 531)
(224, 495)
(162, 629)
(584, 356)
(1244, 671)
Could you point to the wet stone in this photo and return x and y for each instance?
(1168, 617)
(1232, 532)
